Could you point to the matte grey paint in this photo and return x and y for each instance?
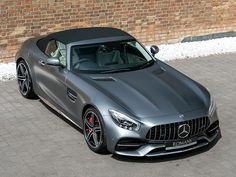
(153, 96)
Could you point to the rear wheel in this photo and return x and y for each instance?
(93, 131)
(24, 80)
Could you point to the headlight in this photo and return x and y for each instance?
(212, 107)
(124, 121)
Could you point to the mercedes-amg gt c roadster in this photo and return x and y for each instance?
(125, 100)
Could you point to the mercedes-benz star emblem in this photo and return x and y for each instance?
(183, 130)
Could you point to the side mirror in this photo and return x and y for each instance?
(53, 61)
(154, 50)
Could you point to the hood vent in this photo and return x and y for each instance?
(103, 78)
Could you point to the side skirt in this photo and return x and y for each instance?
(57, 110)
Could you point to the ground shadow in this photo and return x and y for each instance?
(61, 117)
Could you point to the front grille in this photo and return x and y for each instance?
(170, 131)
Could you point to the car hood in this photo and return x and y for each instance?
(153, 91)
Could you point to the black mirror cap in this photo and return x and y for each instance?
(154, 50)
(53, 61)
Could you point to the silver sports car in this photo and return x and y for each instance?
(125, 100)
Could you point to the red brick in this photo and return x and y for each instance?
(150, 21)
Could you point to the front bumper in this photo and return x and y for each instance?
(131, 143)
(156, 149)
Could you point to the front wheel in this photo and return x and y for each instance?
(93, 130)
(24, 80)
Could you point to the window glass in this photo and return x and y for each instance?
(108, 57)
(57, 49)
(51, 48)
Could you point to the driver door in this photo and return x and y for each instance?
(51, 79)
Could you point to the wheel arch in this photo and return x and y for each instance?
(19, 59)
(85, 108)
(90, 105)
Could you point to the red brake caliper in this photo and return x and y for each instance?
(90, 120)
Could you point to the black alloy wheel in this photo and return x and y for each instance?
(93, 131)
(24, 80)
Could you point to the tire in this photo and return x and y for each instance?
(24, 80)
(93, 130)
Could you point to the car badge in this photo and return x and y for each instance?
(183, 130)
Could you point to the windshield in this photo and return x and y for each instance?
(109, 57)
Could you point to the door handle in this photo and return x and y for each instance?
(41, 62)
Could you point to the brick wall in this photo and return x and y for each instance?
(150, 21)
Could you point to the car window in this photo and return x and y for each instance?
(135, 51)
(51, 47)
(108, 57)
(57, 49)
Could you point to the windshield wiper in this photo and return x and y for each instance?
(141, 66)
(144, 65)
(115, 70)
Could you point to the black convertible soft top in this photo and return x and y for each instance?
(80, 34)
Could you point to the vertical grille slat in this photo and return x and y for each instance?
(149, 134)
(199, 125)
(164, 132)
(170, 132)
(203, 124)
(167, 132)
(196, 126)
(162, 138)
(191, 126)
(155, 130)
(159, 132)
(174, 132)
